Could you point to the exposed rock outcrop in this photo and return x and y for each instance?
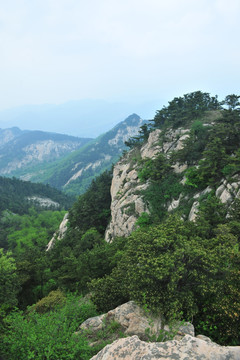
(43, 202)
(228, 191)
(189, 348)
(135, 321)
(127, 201)
(58, 235)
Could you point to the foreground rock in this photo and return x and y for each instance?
(133, 320)
(189, 348)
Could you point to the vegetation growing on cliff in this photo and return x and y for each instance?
(187, 270)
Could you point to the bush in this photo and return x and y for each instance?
(54, 299)
(48, 336)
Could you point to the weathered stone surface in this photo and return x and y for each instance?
(59, 234)
(127, 202)
(134, 321)
(174, 139)
(228, 191)
(174, 204)
(95, 323)
(204, 192)
(178, 169)
(194, 211)
(43, 202)
(152, 147)
(189, 348)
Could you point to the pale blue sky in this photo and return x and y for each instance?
(54, 51)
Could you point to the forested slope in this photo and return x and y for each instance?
(185, 270)
(17, 196)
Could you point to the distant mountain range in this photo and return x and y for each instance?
(82, 118)
(21, 149)
(65, 162)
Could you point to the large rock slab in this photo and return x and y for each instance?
(189, 348)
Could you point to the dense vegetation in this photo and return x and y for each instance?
(181, 269)
(14, 194)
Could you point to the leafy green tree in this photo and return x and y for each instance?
(9, 286)
(110, 291)
(181, 110)
(33, 275)
(194, 145)
(153, 169)
(232, 101)
(92, 209)
(180, 273)
(219, 310)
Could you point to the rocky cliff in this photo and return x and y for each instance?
(127, 189)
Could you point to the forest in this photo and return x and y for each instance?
(184, 270)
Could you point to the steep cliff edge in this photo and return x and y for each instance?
(126, 190)
(128, 186)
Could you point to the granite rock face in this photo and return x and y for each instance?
(127, 202)
(135, 321)
(188, 348)
(58, 235)
(228, 191)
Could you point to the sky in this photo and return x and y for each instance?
(131, 51)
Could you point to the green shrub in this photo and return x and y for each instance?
(48, 336)
(55, 298)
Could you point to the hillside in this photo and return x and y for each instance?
(174, 212)
(18, 196)
(169, 211)
(20, 149)
(74, 173)
(29, 214)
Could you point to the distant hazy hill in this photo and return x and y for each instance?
(83, 118)
(22, 149)
(74, 172)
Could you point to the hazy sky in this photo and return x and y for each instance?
(53, 51)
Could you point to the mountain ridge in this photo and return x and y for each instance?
(23, 148)
(74, 171)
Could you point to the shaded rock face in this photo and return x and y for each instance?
(126, 190)
(127, 203)
(189, 348)
(134, 321)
